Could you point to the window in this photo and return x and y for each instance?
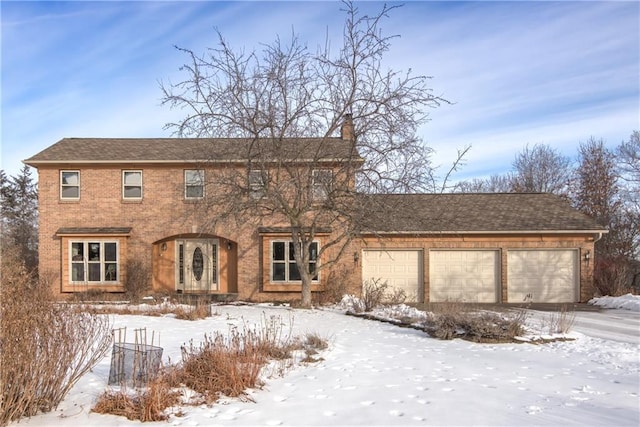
(257, 183)
(181, 263)
(322, 183)
(70, 185)
(132, 184)
(193, 184)
(283, 263)
(94, 261)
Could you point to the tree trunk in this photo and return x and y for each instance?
(306, 291)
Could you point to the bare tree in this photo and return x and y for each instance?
(493, 184)
(541, 169)
(629, 166)
(628, 156)
(287, 93)
(596, 192)
(537, 169)
(595, 185)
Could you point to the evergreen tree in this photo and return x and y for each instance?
(19, 207)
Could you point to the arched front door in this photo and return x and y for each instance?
(197, 266)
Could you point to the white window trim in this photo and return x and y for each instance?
(85, 260)
(201, 184)
(320, 190)
(141, 184)
(62, 185)
(257, 190)
(286, 263)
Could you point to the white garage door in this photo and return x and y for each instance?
(544, 275)
(464, 276)
(399, 268)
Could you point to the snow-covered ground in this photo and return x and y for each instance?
(379, 374)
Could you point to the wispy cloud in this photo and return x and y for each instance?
(516, 72)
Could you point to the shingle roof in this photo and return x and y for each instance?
(472, 213)
(172, 150)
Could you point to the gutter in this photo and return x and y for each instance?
(392, 233)
(36, 163)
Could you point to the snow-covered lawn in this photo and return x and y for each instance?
(379, 374)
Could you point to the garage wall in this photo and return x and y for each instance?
(501, 243)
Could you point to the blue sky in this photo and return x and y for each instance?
(516, 73)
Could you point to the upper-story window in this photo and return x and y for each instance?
(257, 183)
(322, 183)
(132, 184)
(193, 184)
(70, 185)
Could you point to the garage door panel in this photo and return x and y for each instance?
(542, 275)
(400, 269)
(463, 275)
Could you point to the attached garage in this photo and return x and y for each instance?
(463, 275)
(542, 275)
(400, 269)
(485, 247)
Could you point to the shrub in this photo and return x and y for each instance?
(312, 344)
(456, 320)
(228, 365)
(560, 322)
(222, 365)
(45, 347)
(613, 276)
(376, 293)
(138, 279)
(334, 288)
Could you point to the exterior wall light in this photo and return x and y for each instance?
(356, 257)
(587, 256)
(229, 245)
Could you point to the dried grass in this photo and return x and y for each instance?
(560, 322)
(221, 365)
(148, 405)
(183, 312)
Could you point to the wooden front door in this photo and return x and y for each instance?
(197, 266)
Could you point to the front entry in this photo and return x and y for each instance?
(197, 266)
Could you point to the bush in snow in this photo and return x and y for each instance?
(45, 346)
(351, 303)
(458, 320)
(138, 279)
(376, 293)
(613, 276)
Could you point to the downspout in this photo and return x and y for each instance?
(599, 237)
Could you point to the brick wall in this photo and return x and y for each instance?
(162, 214)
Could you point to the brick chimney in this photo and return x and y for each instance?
(346, 130)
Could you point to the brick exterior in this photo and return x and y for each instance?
(163, 217)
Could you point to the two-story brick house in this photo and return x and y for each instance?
(106, 202)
